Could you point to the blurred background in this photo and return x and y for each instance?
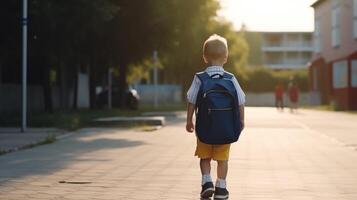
(93, 55)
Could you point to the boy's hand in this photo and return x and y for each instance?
(190, 127)
(242, 125)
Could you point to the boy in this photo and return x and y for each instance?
(215, 55)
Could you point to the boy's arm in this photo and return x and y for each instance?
(241, 100)
(191, 98)
(241, 112)
(190, 127)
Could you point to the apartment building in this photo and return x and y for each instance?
(286, 50)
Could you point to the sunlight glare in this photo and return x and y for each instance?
(269, 15)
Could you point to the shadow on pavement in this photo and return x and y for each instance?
(48, 159)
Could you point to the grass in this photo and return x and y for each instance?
(51, 138)
(321, 107)
(2, 152)
(163, 108)
(72, 120)
(329, 108)
(146, 128)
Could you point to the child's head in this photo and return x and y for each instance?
(215, 50)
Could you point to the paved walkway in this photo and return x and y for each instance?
(280, 156)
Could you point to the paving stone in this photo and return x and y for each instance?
(279, 156)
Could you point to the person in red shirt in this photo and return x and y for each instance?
(293, 92)
(279, 96)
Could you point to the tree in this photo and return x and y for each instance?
(69, 36)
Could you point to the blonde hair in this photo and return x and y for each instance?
(215, 47)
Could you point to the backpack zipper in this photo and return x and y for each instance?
(218, 109)
(210, 91)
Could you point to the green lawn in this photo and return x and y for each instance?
(72, 120)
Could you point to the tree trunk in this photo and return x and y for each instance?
(75, 87)
(123, 85)
(47, 90)
(64, 85)
(0, 72)
(92, 85)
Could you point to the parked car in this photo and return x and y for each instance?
(131, 98)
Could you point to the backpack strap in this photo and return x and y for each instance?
(203, 76)
(227, 75)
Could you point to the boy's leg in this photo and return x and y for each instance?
(222, 169)
(221, 155)
(221, 192)
(205, 164)
(282, 104)
(204, 152)
(207, 184)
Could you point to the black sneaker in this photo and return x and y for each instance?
(207, 190)
(221, 194)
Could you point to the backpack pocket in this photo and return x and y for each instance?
(221, 124)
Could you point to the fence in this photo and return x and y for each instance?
(268, 99)
(165, 93)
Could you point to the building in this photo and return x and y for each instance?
(286, 50)
(333, 68)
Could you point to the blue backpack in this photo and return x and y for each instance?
(217, 109)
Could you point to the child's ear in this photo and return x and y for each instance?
(204, 59)
(225, 59)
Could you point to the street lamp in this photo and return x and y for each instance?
(24, 23)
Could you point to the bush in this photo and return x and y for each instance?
(262, 79)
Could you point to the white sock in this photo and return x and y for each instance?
(206, 178)
(221, 183)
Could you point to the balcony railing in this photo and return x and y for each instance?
(309, 48)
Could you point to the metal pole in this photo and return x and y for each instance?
(24, 66)
(109, 88)
(155, 80)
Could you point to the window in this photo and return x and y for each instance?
(354, 73)
(317, 36)
(336, 31)
(340, 74)
(355, 19)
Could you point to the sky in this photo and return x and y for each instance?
(269, 15)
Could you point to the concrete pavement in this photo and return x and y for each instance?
(305, 156)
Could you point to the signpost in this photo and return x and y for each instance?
(155, 79)
(24, 23)
(109, 88)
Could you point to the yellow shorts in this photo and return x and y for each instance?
(215, 152)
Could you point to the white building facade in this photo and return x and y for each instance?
(287, 50)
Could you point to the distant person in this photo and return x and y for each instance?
(218, 100)
(279, 96)
(293, 92)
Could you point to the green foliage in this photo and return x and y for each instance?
(260, 79)
(68, 35)
(141, 71)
